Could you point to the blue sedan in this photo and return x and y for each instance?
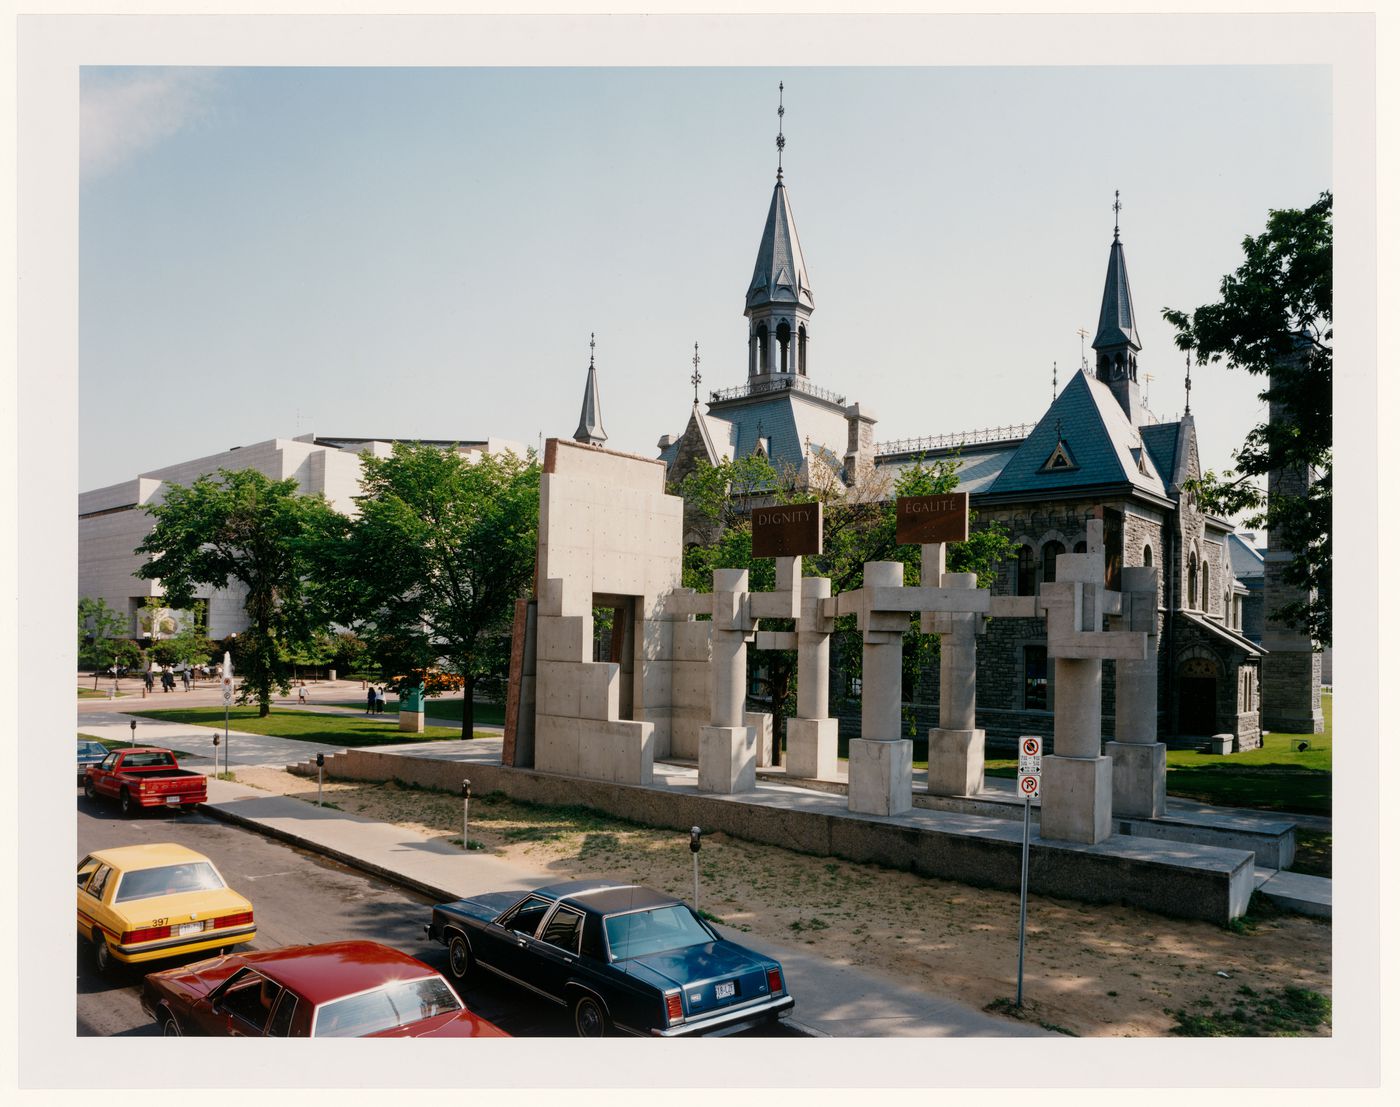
(619, 956)
(89, 753)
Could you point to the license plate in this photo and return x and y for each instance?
(188, 928)
(173, 801)
(725, 990)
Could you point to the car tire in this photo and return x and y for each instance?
(128, 809)
(460, 964)
(169, 1028)
(89, 791)
(102, 955)
(590, 1018)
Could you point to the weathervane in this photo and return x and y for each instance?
(781, 140)
(591, 344)
(1054, 380)
(695, 376)
(1117, 207)
(1083, 358)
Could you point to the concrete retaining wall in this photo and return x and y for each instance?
(1206, 883)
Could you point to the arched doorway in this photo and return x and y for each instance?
(1195, 697)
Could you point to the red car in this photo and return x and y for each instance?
(145, 777)
(337, 990)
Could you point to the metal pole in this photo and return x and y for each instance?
(695, 857)
(1025, 870)
(216, 763)
(466, 806)
(319, 772)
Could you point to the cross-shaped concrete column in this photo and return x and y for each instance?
(1077, 781)
(1139, 760)
(956, 748)
(881, 761)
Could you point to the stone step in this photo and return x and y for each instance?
(1307, 895)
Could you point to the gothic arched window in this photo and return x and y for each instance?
(1048, 553)
(802, 350)
(1147, 556)
(784, 339)
(1191, 581)
(1205, 586)
(1025, 571)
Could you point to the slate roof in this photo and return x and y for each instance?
(779, 273)
(977, 469)
(1161, 440)
(1238, 641)
(1105, 446)
(789, 420)
(1245, 561)
(590, 420)
(1116, 322)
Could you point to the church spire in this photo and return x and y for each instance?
(590, 420)
(779, 300)
(1116, 342)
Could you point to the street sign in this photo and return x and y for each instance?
(788, 530)
(1028, 767)
(228, 690)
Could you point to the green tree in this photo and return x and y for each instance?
(99, 626)
(429, 572)
(241, 526)
(1274, 319)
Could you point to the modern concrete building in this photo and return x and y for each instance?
(112, 521)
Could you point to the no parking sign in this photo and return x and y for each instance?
(1028, 767)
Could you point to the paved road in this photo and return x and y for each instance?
(297, 897)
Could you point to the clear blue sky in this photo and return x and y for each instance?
(424, 252)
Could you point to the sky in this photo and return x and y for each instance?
(425, 252)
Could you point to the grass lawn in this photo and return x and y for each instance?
(306, 726)
(1274, 777)
(444, 707)
(99, 694)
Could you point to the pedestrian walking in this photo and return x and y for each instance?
(369, 701)
(379, 702)
(185, 675)
(301, 695)
(150, 679)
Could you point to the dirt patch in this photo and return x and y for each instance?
(1091, 970)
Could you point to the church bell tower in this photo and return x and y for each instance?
(1116, 342)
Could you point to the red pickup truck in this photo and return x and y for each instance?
(144, 776)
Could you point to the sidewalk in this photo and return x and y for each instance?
(833, 1000)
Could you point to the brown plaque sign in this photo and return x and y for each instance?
(920, 520)
(789, 530)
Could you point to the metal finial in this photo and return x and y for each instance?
(695, 376)
(1054, 380)
(1059, 435)
(591, 344)
(1188, 382)
(781, 140)
(1117, 207)
(1083, 358)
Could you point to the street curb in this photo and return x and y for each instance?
(441, 895)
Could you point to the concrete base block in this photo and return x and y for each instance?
(956, 761)
(727, 755)
(811, 748)
(1139, 778)
(411, 722)
(762, 723)
(1076, 799)
(881, 775)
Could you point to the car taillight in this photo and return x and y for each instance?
(775, 980)
(674, 1012)
(233, 920)
(145, 934)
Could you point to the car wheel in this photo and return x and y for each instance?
(101, 954)
(590, 1020)
(127, 807)
(89, 790)
(459, 959)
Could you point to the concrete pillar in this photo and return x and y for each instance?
(880, 780)
(728, 749)
(1076, 803)
(811, 734)
(1139, 760)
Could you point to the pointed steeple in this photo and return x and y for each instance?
(1116, 343)
(778, 303)
(590, 420)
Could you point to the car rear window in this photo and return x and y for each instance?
(148, 761)
(639, 933)
(168, 880)
(396, 1004)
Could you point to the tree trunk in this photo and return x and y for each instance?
(468, 707)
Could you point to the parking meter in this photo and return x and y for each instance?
(695, 859)
(320, 766)
(466, 805)
(133, 732)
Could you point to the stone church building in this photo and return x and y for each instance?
(1095, 452)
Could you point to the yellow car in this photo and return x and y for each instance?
(141, 903)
